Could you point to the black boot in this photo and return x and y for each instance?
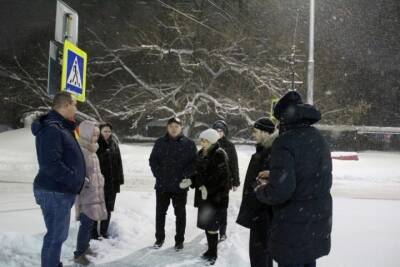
(158, 244)
(210, 256)
(206, 254)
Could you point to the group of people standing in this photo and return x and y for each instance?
(212, 172)
(85, 171)
(286, 200)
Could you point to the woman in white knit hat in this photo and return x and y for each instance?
(90, 205)
(211, 180)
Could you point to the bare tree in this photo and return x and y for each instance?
(220, 82)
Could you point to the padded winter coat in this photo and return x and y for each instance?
(91, 201)
(298, 189)
(212, 171)
(172, 160)
(61, 162)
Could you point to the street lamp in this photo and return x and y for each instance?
(310, 73)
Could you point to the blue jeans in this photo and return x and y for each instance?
(84, 234)
(311, 264)
(56, 209)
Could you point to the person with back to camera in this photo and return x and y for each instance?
(298, 186)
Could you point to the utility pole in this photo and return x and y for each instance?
(310, 73)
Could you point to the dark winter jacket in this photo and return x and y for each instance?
(172, 160)
(111, 167)
(212, 171)
(252, 211)
(230, 150)
(299, 189)
(61, 162)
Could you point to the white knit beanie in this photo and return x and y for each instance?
(211, 135)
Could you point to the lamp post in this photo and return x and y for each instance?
(310, 72)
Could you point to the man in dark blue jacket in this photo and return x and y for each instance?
(61, 173)
(298, 186)
(172, 159)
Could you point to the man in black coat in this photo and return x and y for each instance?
(172, 159)
(234, 181)
(298, 186)
(253, 214)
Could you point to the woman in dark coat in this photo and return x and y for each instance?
(111, 167)
(211, 180)
(222, 128)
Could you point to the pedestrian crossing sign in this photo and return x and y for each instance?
(73, 78)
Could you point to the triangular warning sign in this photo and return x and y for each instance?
(74, 77)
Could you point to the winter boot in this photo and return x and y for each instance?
(158, 244)
(222, 237)
(178, 246)
(81, 260)
(210, 256)
(206, 254)
(90, 252)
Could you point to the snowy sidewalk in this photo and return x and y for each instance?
(365, 234)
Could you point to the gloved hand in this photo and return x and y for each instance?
(203, 190)
(234, 188)
(185, 183)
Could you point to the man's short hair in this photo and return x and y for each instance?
(174, 120)
(62, 98)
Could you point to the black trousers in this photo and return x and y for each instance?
(103, 227)
(259, 256)
(110, 202)
(223, 220)
(163, 200)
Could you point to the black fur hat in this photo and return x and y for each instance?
(264, 124)
(291, 98)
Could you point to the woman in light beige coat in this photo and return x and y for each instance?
(90, 205)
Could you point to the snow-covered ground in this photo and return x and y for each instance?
(366, 214)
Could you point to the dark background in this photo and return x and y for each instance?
(357, 51)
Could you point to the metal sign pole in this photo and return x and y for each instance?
(66, 29)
